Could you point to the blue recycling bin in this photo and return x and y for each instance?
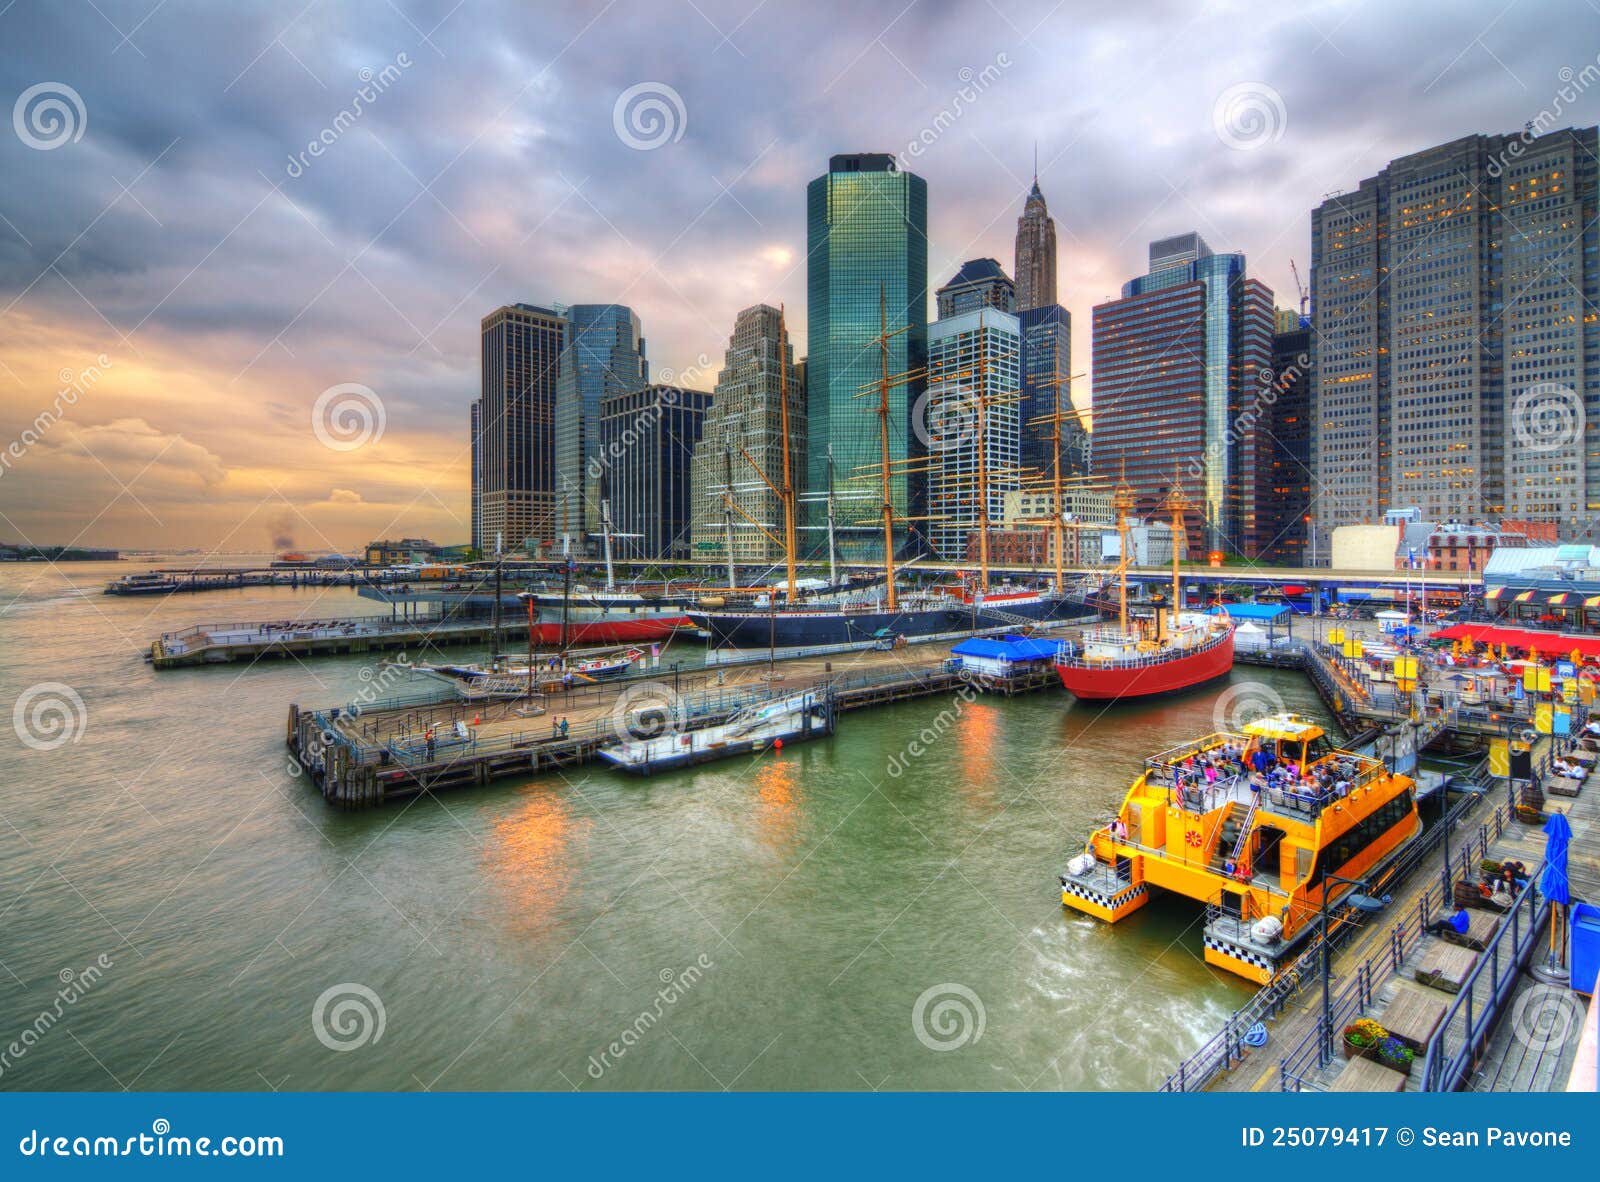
(1585, 944)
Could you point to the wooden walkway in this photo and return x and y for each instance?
(1510, 1061)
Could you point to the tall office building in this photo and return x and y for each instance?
(1036, 253)
(1283, 486)
(1455, 336)
(519, 359)
(866, 234)
(475, 443)
(980, 283)
(604, 356)
(1047, 360)
(1180, 363)
(746, 418)
(974, 374)
(647, 441)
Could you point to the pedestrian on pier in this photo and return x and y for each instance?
(431, 744)
(563, 728)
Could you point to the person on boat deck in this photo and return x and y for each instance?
(1211, 774)
(1263, 759)
(1458, 923)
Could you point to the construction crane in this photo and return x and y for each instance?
(1305, 292)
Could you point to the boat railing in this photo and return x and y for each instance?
(1225, 1047)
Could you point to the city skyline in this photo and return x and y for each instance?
(230, 277)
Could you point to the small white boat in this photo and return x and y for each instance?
(756, 728)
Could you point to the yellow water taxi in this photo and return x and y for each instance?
(1249, 824)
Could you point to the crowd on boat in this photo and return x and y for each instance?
(1204, 778)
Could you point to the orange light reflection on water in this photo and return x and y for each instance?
(529, 859)
(776, 779)
(977, 734)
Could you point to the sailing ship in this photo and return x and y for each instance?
(946, 610)
(1181, 650)
(1259, 844)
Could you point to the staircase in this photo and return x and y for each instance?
(1234, 835)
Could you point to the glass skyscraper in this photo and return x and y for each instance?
(521, 346)
(1182, 374)
(604, 356)
(866, 234)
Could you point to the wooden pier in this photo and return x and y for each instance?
(212, 644)
(365, 754)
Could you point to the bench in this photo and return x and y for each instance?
(1413, 1016)
(1446, 967)
(1563, 786)
(1480, 929)
(1364, 1075)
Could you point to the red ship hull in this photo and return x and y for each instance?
(1113, 683)
(622, 630)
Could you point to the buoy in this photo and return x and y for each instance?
(777, 744)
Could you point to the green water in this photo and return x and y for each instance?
(800, 904)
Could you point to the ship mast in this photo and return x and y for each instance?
(883, 435)
(788, 477)
(1177, 504)
(1122, 502)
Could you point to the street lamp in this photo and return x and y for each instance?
(1327, 953)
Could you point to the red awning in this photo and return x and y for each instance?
(1545, 642)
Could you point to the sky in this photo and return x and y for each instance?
(215, 335)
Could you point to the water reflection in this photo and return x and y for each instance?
(529, 856)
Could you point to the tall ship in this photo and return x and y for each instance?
(953, 610)
(606, 616)
(1255, 845)
(1178, 651)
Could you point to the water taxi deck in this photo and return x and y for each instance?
(1255, 842)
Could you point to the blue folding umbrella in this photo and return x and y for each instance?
(1553, 882)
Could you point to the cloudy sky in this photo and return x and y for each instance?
(182, 279)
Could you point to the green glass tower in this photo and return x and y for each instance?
(866, 233)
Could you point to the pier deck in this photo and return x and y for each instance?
(365, 754)
(210, 644)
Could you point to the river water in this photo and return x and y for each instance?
(800, 921)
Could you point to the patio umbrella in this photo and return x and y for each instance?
(1553, 882)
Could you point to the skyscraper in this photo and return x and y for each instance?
(1036, 253)
(1181, 364)
(1455, 336)
(746, 417)
(519, 359)
(866, 234)
(647, 440)
(1283, 487)
(980, 283)
(475, 443)
(974, 367)
(604, 356)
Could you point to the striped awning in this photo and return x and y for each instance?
(1523, 597)
(1496, 593)
(1592, 601)
(1557, 599)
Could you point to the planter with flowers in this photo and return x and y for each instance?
(1394, 1054)
(1361, 1037)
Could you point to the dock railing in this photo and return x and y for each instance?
(1224, 1048)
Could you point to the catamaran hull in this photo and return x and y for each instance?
(1113, 683)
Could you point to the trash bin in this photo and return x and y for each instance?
(1584, 957)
